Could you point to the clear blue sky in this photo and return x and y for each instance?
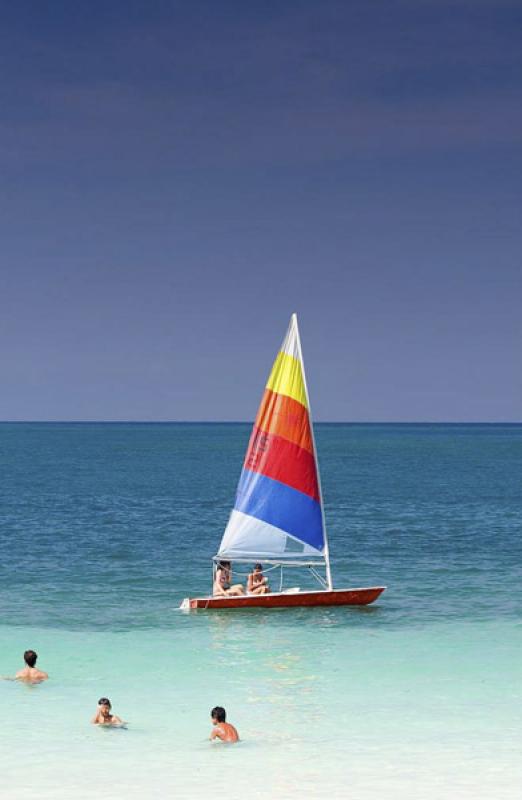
(178, 177)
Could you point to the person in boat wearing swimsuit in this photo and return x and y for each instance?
(257, 583)
(222, 581)
(103, 714)
(223, 730)
(30, 673)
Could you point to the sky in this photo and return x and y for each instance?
(177, 178)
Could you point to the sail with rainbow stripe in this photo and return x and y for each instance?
(278, 516)
(278, 512)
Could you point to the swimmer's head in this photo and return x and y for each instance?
(105, 703)
(258, 567)
(30, 658)
(218, 714)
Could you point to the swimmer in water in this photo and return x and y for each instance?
(30, 673)
(103, 715)
(223, 730)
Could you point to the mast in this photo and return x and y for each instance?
(326, 548)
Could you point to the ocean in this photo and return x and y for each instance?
(105, 528)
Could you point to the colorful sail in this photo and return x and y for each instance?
(278, 513)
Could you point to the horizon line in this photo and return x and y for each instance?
(245, 422)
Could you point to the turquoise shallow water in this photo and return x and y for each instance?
(105, 528)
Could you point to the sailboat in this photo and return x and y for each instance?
(278, 516)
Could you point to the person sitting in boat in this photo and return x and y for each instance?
(223, 581)
(257, 583)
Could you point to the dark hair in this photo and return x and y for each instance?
(30, 658)
(223, 564)
(258, 566)
(218, 713)
(104, 701)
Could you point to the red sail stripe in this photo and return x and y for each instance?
(283, 416)
(283, 461)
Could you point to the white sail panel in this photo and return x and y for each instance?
(290, 344)
(278, 510)
(248, 537)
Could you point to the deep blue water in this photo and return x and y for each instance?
(111, 525)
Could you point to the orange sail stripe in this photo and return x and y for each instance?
(283, 416)
(283, 461)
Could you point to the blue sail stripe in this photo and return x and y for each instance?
(282, 506)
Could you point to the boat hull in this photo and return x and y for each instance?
(335, 597)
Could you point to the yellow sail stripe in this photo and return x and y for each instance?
(287, 378)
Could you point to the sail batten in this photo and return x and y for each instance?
(278, 510)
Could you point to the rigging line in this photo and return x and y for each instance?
(265, 569)
(319, 578)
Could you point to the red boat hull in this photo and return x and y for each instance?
(336, 597)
